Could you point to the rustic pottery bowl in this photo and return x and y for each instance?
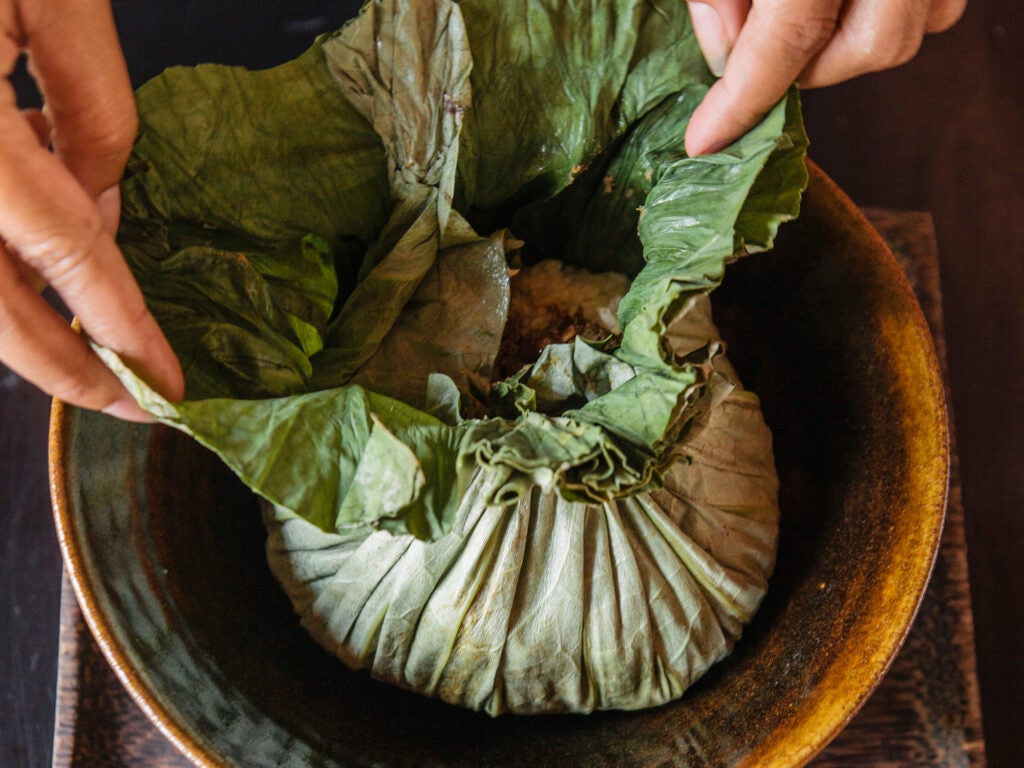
(165, 551)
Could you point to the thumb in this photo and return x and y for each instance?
(777, 41)
(716, 25)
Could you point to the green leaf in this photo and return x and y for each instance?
(313, 227)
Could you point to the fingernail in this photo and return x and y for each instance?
(128, 410)
(109, 203)
(710, 32)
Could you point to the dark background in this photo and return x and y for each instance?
(943, 134)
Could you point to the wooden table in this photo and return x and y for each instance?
(941, 134)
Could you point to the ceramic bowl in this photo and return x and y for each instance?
(165, 551)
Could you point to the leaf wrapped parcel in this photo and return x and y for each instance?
(327, 246)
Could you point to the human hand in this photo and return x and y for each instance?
(759, 49)
(59, 210)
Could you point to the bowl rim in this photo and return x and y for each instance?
(808, 734)
(811, 738)
(95, 619)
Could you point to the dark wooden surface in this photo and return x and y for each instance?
(942, 134)
(925, 713)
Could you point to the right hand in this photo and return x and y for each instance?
(760, 49)
(59, 210)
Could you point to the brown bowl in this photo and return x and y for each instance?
(165, 551)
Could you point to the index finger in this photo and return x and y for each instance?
(777, 41)
(76, 59)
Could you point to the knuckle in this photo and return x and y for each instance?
(119, 135)
(805, 34)
(74, 389)
(944, 15)
(62, 252)
(882, 48)
(136, 316)
(122, 123)
(82, 389)
(109, 134)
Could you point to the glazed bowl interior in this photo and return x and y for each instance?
(166, 553)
